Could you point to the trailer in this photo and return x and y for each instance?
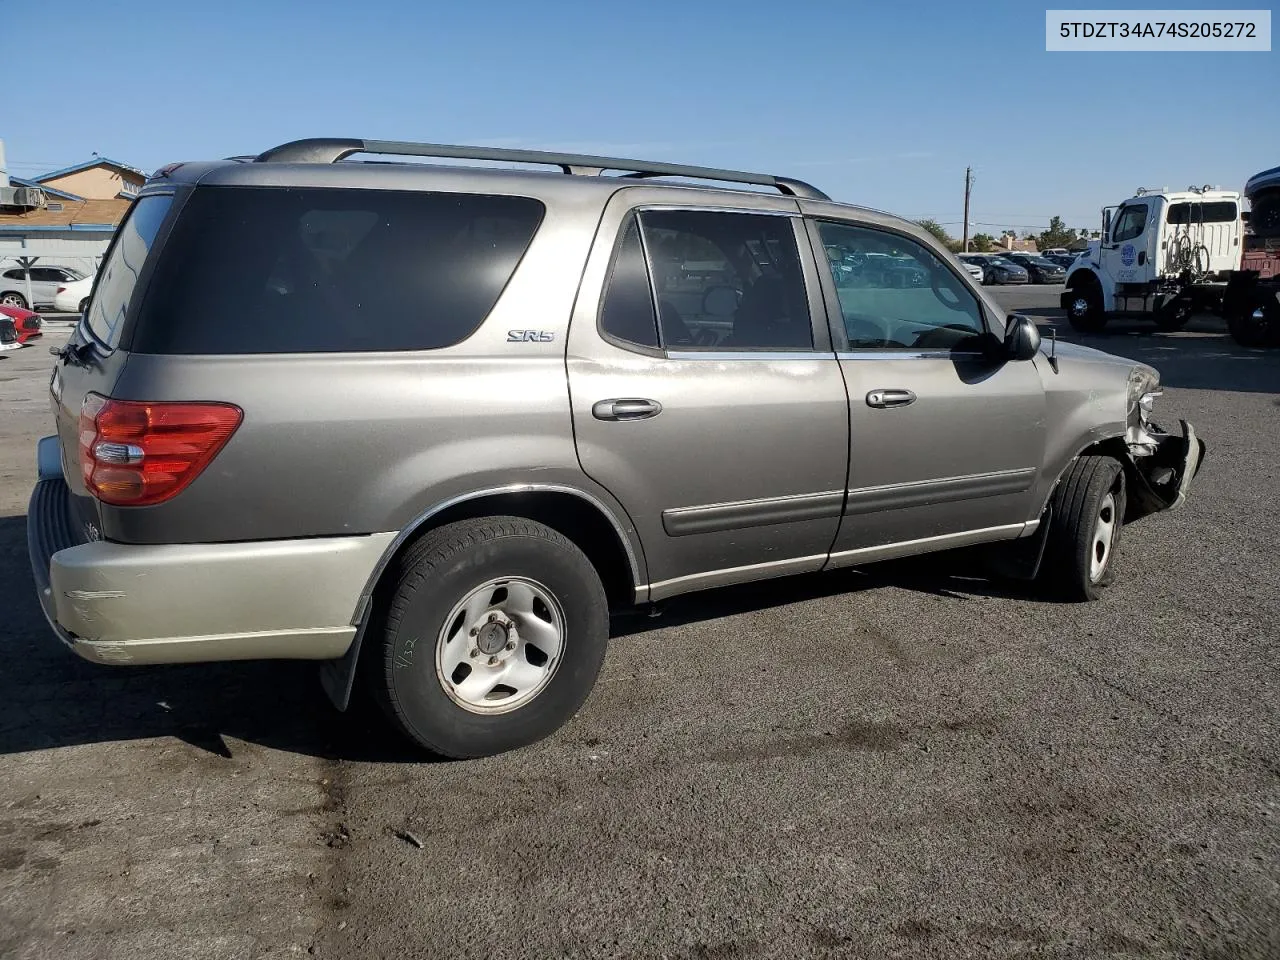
(1251, 304)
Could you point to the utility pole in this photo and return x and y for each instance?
(968, 186)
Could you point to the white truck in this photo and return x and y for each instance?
(1164, 255)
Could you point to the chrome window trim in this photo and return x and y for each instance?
(896, 353)
(762, 354)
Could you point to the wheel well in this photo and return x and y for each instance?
(1083, 280)
(576, 518)
(1116, 449)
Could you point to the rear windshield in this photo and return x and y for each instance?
(1220, 211)
(119, 275)
(269, 270)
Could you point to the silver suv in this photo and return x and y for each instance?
(432, 424)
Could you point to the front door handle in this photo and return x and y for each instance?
(628, 409)
(881, 399)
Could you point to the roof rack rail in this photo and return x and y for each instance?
(323, 150)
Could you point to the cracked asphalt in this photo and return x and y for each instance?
(898, 761)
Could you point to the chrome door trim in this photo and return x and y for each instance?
(890, 354)
(916, 493)
(763, 355)
(729, 575)
(735, 515)
(908, 548)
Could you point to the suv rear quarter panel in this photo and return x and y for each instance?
(335, 444)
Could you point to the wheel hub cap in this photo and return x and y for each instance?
(492, 638)
(500, 645)
(1104, 530)
(1079, 306)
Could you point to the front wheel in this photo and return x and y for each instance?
(1084, 310)
(84, 306)
(1084, 529)
(494, 637)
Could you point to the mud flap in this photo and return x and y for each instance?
(1162, 481)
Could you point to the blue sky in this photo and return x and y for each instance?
(882, 104)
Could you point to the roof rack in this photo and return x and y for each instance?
(323, 150)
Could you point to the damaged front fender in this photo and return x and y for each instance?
(1163, 467)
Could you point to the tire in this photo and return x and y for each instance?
(1250, 331)
(1084, 311)
(84, 305)
(1084, 530)
(11, 298)
(1173, 316)
(524, 588)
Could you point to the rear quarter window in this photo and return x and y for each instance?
(118, 277)
(269, 270)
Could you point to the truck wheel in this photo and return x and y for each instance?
(1172, 316)
(1084, 529)
(1252, 326)
(494, 637)
(1084, 310)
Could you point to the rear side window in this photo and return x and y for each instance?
(257, 270)
(119, 275)
(1217, 211)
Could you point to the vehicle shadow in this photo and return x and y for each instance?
(51, 698)
(1202, 356)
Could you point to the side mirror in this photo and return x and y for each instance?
(1021, 337)
(1106, 225)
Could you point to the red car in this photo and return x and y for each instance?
(25, 322)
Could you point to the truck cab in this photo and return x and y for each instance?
(1163, 255)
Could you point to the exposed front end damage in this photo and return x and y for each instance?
(1162, 465)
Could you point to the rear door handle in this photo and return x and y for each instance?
(881, 399)
(628, 409)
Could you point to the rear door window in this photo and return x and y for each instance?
(119, 275)
(1216, 211)
(258, 270)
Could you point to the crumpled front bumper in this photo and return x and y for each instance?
(1162, 480)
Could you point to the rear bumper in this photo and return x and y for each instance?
(185, 603)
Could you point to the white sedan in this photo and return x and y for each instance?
(73, 297)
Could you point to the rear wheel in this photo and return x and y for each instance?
(1172, 316)
(1084, 529)
(493, 639)
(11, 299)
(1084, 309)
(84, 305)
(1252, 326)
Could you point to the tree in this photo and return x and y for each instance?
(944, 238)
(1058, 235)
(982, 242)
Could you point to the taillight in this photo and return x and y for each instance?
(136, 454)
(60, 289)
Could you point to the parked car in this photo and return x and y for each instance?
(1063, 260)
(8, 335)
(996, 269)
(45, 281)
(430, 425)
(73, 296)
(1039, 270)
(26, 323)
(972, 268)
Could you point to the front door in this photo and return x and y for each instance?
(1128, 257)
(705, 397)
(946, 443)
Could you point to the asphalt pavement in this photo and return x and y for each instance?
(897, 761)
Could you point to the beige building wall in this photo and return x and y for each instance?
(95, 183)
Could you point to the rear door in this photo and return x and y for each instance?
(706, 396)
(946, 442)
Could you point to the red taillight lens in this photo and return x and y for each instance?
(60, 289)
(136, 454)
